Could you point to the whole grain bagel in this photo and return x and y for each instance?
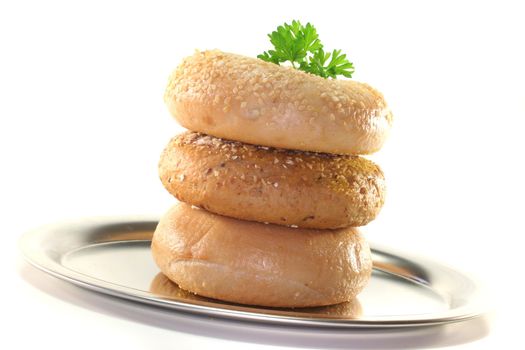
(250, 100)
(252, 263)
(258, 183)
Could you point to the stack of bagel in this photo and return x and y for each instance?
(270, 184)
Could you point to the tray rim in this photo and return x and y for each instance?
(472, 309)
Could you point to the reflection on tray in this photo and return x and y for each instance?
(162, 286)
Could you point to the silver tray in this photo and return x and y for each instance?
(112, 256)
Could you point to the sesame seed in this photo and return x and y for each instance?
(181, 177)
(276, 184)
(254, 113)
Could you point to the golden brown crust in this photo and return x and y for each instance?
(250, 100)
(311, 190)
(163, 286)
(257, 264)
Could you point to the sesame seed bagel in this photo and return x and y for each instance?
(258, 183)
(252, 263)
(250, 100)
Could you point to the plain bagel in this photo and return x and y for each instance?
(252, 263)
(163, 286)
(258, 183)
(250, 100)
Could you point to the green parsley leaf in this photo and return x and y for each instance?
(300, 45)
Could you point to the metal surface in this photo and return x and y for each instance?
(112, 256)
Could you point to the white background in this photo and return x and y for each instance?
(83, 124)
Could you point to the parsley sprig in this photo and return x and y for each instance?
(300, 45)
